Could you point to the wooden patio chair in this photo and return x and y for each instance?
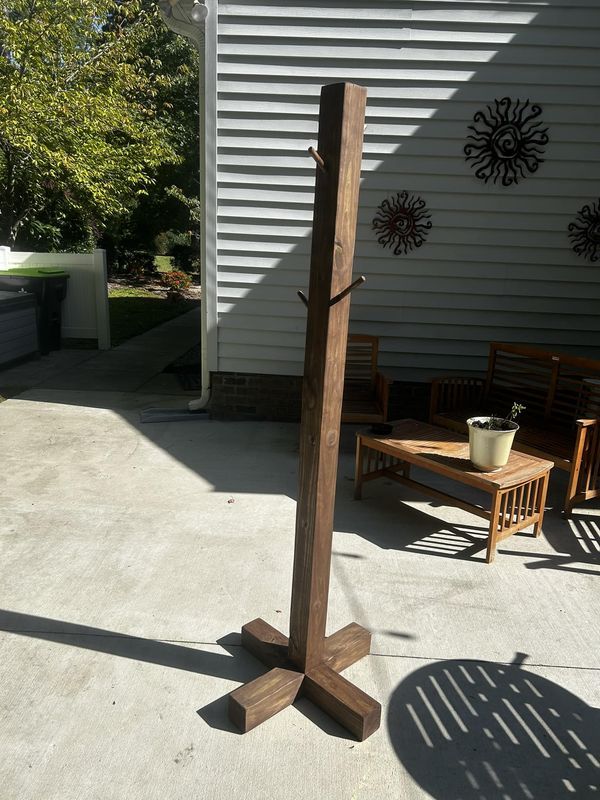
(366, 390)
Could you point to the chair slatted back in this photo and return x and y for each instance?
(556, 388)
(361, 359)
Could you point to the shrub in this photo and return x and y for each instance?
(166, 240)
(183, 256)
(134, 263)
(176, 282)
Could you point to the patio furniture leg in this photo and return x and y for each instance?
(537, 528)
(496, 523)
(358, 471)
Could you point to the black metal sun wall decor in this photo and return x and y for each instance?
(402, 222)
(507, 142)
(584, 232)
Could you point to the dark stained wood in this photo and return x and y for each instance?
(265, 642)
(264, 697)
(347, 646)
(562, 395)
(518, 490)
(308, 659)
(341, 125)
(343, 701)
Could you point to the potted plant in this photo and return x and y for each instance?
(491, 438)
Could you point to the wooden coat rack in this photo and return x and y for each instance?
(309, 662)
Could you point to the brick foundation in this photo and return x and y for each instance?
(243, 396)
(239, 396)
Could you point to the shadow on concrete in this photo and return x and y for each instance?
(468, 730)
(387, 517)
(237, 666)
(151, 651)
(577, 547)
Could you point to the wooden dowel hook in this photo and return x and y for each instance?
(358, 282)
(315, 154)
(302, 297)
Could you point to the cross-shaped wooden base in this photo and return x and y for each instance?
(309, 662)
(275, 690)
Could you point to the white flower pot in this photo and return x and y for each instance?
(489, 450)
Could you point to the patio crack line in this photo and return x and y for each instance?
(495, 661)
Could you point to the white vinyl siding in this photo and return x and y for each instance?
(497, 264)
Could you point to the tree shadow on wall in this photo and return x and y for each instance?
(478, 729)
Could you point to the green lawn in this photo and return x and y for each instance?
(163, 263)
(135, 310)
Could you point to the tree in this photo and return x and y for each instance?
(83, 122)
(172, 202)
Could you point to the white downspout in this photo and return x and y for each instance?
(208, 203)
(204, 36)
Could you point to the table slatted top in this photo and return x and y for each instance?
(447, 453)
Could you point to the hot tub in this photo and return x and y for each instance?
(18, 326)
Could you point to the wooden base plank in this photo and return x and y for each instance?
(257, 701)
(265, 643)
(343, 701)
(347, 646)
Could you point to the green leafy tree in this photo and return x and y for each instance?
(83, 121)
(171, 206)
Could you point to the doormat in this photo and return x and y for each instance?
(187, 368)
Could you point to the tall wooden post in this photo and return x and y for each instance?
(309, 662)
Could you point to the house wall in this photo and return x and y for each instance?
(497, 263)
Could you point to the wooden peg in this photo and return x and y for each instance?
(315, 154)
(358, 282)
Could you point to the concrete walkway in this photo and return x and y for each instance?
(132, 554)
(130, 375)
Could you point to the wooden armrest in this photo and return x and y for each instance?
(586, 423)
(584, 479)
(454, 392)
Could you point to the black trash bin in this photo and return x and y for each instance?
(49, 285)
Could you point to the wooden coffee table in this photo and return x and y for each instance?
(518, 490)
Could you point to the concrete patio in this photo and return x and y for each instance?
(133, 553)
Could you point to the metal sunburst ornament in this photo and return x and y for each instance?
(507, 142)
(584, 233)
(402, 222)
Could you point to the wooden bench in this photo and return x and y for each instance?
(366, 390)
(562, 396)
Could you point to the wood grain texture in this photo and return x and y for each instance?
(518, 490)
(265, 642)
(341, 124)
(447, 453)
(313, 658)
(346, 703)
(257, 701)
(347, 646)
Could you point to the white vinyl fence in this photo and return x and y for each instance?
(85, 312)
